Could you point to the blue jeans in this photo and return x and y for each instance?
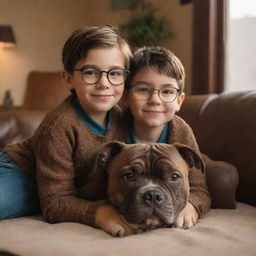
(18, 190)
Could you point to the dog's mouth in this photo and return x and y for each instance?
(150, 218)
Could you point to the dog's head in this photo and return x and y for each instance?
(148, 183)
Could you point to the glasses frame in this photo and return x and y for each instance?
(127, 72)
(159, 95)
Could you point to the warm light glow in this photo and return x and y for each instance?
(6, 45)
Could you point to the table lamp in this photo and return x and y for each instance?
(6, 36)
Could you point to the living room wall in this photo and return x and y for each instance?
(42, 26)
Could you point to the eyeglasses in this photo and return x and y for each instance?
(115, 76)
(144, 92)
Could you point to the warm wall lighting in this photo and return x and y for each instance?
(6, 36)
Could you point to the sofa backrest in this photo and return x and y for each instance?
(225, 128)
(44, 90)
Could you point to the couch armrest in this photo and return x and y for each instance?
(18, 124)
(224, 126)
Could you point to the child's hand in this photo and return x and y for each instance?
(110, 220)
(187, 217)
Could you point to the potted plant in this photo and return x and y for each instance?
(146, 28)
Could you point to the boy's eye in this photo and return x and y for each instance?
(143, 90)
(116, 73)
(90, 72)
(168, 91)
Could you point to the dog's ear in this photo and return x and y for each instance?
(108, 152)
(192, 158)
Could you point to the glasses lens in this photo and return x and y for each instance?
(141, 91)
(91, 75)
(168, 94)
(117, 76)
(144, 92)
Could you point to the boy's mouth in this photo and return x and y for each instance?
(153, 111)
(105, 96)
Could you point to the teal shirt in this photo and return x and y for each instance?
(93, 126)
(162, 139)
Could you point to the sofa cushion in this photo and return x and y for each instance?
(220, 232)
(44, 90)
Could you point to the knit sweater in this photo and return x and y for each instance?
(56, 154)
(179, 131)
(199, 196)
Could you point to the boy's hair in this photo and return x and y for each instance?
(162, 59)
(83, 40)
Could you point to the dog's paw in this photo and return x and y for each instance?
(187, 217)
(111, 221)
(120, 228)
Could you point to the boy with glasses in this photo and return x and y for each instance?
(153, 95)
(48, 165)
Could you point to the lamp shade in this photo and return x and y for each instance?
(6, 36)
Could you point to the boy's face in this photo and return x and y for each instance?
(153, 112)
(97, 99)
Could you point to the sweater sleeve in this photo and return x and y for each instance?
(199, 195)
(55, 176)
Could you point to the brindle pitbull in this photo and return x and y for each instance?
(147, 183)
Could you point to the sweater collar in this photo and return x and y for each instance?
(162, 139)
(94, 126)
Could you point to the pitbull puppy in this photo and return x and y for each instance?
(147, 183)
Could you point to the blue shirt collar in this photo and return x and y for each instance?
(94, 126)
(162, 139)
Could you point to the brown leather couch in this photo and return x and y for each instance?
(224, 126)
(44, 91)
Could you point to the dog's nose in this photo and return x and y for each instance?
(153, 197)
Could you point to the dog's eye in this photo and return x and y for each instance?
(129, 176)
(175, 177)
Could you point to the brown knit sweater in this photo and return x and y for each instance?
(56, 154)
(199, 197)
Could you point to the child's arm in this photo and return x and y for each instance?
(199, 196)
(56, 182)
(54, 148)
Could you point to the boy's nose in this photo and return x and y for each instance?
(154, 98)
(103, 82)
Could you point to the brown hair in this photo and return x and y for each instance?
(85, 39)
(162, 59)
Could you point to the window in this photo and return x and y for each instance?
(240, 60)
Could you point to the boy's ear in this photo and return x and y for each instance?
(180, 100)
(68, 78)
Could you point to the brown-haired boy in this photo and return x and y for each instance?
(46, 167)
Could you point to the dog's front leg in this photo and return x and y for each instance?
(111, 221)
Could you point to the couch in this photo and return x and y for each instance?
(44, 90)
(224, 125)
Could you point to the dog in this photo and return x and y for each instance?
(147, 183)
